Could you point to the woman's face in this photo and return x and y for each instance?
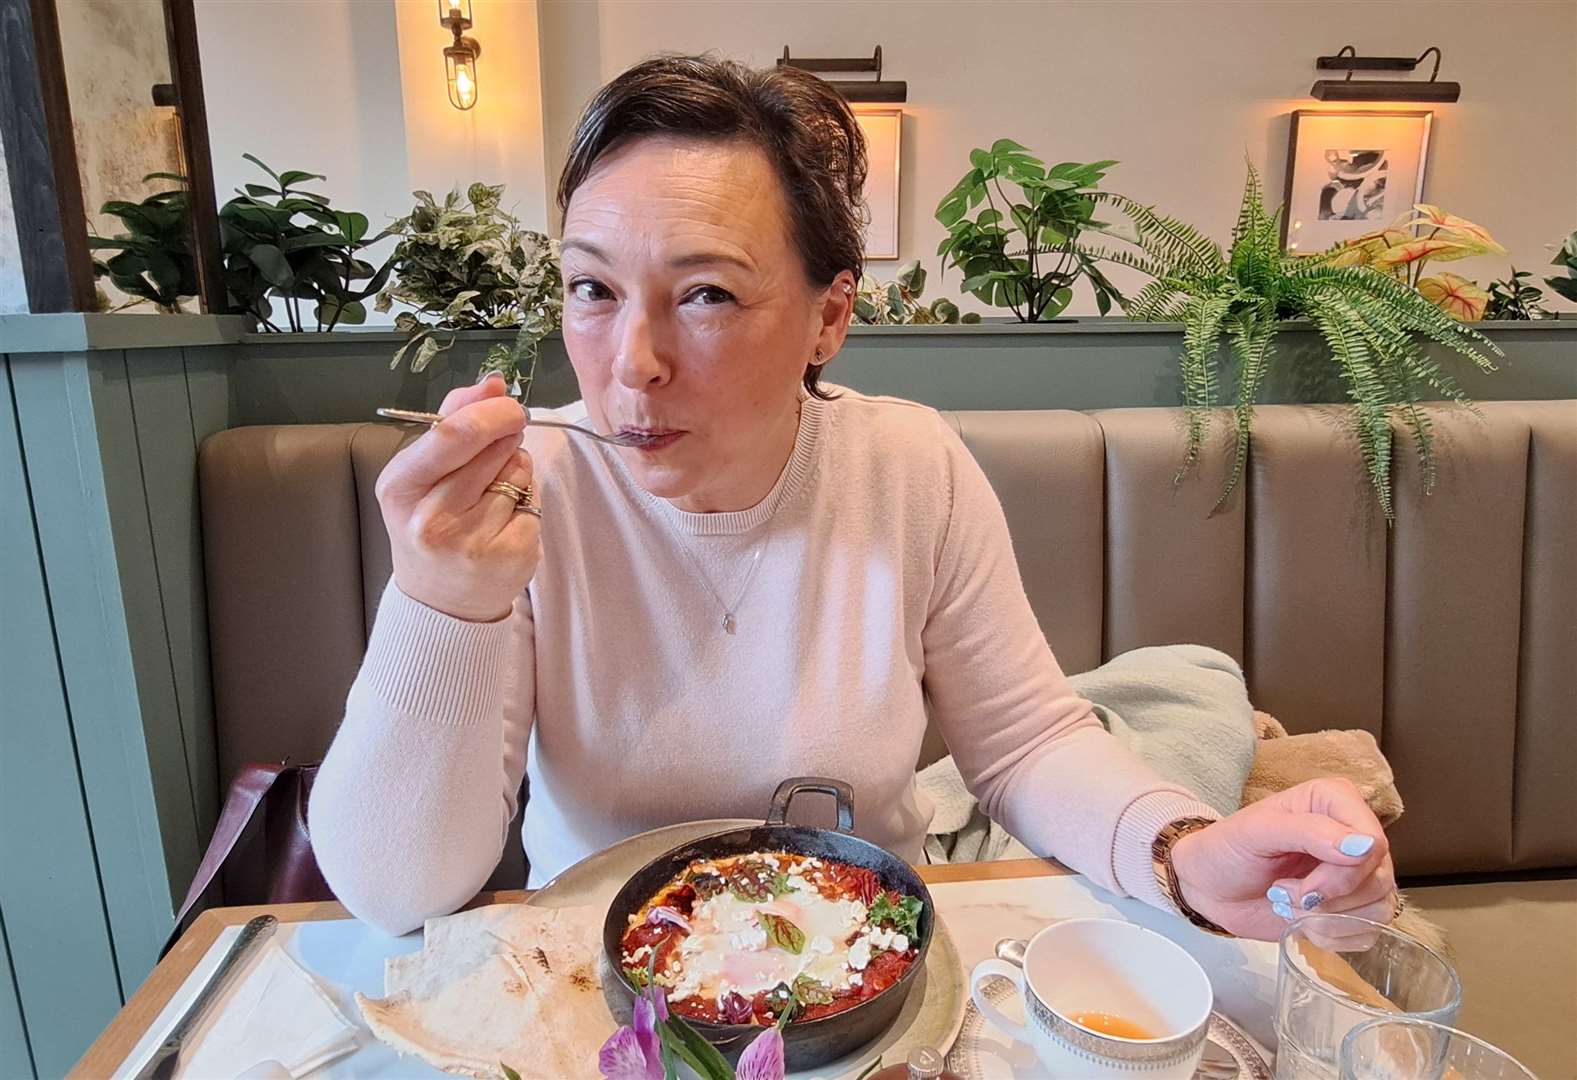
(687, 315)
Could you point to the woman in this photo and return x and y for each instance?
(777, 583)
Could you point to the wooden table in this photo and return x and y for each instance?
(129, 1025)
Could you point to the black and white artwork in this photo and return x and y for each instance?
(1355, 188)
(1350, 172)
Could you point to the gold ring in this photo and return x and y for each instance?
(521, 495)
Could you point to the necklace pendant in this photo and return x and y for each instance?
(728, 622)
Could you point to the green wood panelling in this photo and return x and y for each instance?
(16, 1059)
(58, 938)
(92, 513)
(167, 449)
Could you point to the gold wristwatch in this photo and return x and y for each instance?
(1166, 873)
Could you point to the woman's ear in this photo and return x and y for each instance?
(836, 312)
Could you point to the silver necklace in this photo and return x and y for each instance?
(729, 623)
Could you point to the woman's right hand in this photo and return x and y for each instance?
(459, 548)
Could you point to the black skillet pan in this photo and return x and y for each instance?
(812, 1042)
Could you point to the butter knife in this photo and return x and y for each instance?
(162, 1065)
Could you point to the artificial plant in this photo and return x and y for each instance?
(1021, 249)
(284, 243)
(154, 264)
(466, 264)
(894, 303)
(1372, 323)
(1423, 235)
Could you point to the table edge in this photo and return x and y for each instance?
(118, 1040)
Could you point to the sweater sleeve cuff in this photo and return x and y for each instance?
(423, 663)
(1146, 816)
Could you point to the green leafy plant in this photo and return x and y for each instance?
(468, 265)
(154, 264)
(291, 244)
(1371, 322)
(1021, 251)
(1567, 257)
(895, 303)
(1515, 298)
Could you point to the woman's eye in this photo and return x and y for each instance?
(708, 295)
(588, 290)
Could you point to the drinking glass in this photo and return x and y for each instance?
(1400, 1048)
(1338, 971)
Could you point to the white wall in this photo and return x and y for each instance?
(1177, 91)
(307, 84)
(354, 89)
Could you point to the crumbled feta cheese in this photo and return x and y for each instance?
(860, 954)
(900, 943)
(640, 954)
(821, 943)
(750, 939)
(856, 979)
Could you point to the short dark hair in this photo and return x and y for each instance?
(803, 125)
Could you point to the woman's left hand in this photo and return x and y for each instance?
(1314, 847)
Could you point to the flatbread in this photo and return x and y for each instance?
(505, 983)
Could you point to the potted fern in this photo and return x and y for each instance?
(1372, 324)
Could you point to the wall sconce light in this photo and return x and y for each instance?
(1349, 89)
(853, 90)
(459, 58)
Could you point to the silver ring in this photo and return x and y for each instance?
(523, 508)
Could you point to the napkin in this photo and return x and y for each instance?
(277, 1012)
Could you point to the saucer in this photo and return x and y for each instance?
(981, 1052)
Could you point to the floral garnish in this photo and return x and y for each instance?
(653, 1046)
(665, 914)
(782, 933)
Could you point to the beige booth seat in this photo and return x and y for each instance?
(1451, 635)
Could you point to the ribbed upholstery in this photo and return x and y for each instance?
(1451, 635)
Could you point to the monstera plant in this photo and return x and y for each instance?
(1372, 324)
(1020, 250)
(1427, 234)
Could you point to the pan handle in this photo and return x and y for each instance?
(843, 793)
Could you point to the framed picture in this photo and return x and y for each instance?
(883, 130)
(1350, 173)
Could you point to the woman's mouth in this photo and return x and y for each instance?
(649, 439)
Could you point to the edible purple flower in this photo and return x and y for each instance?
(672, 916)
(634, 1053)
(763, 1058)
(737, 1008)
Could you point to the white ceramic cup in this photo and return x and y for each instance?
(1109, 966)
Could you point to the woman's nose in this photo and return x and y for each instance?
(638, 363)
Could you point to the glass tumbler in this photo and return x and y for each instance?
(1337, 971)
(1402, 1048)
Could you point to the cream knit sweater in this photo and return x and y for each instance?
(886, 583)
